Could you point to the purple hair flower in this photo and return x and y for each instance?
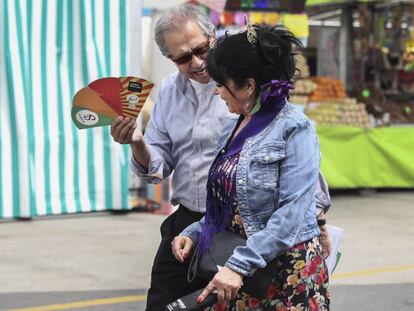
(275, 90)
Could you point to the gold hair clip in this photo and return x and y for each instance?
(251, 32)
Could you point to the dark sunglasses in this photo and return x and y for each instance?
(200, 51)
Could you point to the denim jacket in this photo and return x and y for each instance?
(276, 182)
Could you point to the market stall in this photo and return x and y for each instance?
(367, 134)
(360, 89)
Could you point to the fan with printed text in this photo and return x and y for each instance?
(104, 99)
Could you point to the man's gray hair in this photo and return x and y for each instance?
(175, 18)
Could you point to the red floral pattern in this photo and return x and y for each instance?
(300, 282)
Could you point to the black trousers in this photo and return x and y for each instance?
(168, 276)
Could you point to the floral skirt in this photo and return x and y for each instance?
(300, 282)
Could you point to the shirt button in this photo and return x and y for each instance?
(267, 158)
(240, 181)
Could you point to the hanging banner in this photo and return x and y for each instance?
(298, 24)
(292, 6)
(323, 2)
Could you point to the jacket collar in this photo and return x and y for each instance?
(259, 121)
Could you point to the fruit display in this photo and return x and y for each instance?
(324, 100)
(346, 111)
(302, 65)
(327, 88)
(388, 110)
(304, 87)
(299, 100)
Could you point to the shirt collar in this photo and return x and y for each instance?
(183, 83)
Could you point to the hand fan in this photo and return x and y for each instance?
(105, 99)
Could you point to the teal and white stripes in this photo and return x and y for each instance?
(48, 50)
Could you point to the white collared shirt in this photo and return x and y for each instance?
(182, 135)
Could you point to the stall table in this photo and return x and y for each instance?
(367, 158)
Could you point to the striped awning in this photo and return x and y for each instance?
(48, 50)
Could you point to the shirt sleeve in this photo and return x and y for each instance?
(160, 164)
(323, 199)
(193, 231)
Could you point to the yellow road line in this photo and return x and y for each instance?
(124, 299)
(87, 303)
(371, 272)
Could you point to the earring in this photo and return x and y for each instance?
(247, 107)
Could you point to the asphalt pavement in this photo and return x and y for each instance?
(102, 261)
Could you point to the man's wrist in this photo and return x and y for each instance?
(140, 154)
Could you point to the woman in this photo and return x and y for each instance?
(262, 182)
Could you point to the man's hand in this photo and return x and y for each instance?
(181, 247)
(227, 283)
(124, 131)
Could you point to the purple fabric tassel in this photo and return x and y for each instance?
(221, 189)
(275, 90)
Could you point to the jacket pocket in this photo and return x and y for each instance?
(264, 166)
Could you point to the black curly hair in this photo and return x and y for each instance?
(271, 57)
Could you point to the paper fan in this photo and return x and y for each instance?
(108, 98)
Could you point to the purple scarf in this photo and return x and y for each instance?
(272, 98)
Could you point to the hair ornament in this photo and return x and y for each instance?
(275, 88)
(251, 32)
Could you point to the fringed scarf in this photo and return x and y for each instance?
(221, 183)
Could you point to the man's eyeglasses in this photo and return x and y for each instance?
(199, 52)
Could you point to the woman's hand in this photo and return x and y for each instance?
(181, 247)
(324, 236)
(325, 241)
(227, 283)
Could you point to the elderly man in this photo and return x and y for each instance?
(181, 136)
